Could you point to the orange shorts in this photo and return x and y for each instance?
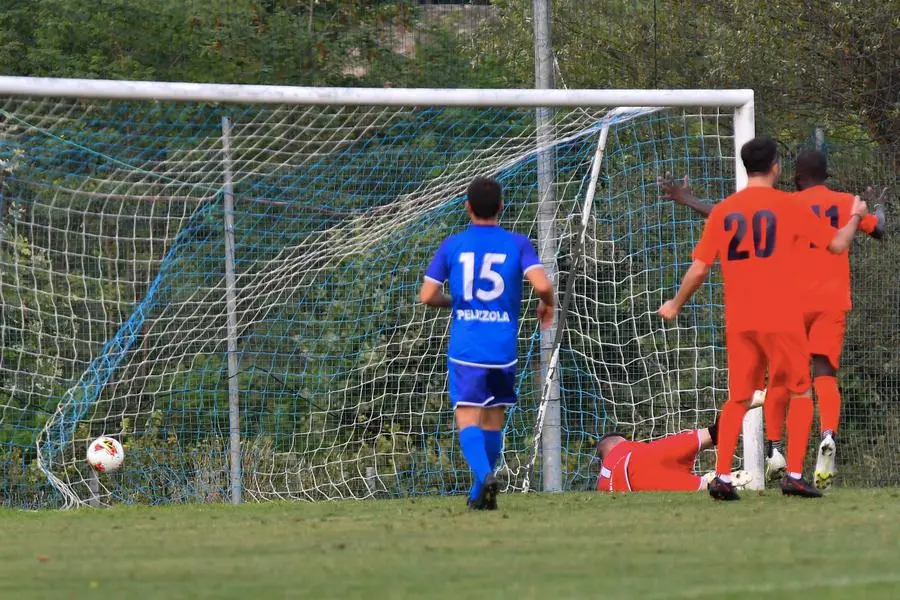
(825, 331)
(749, 354)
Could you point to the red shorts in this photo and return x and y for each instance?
(825, 331)
(749, 354)
(665, 465)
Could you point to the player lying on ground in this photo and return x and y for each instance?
(756, 233)
(666, 465)
(826, 282)
(484, 266)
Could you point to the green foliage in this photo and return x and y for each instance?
(811, 63)
(326, 42)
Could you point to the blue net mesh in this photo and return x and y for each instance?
(113, 293)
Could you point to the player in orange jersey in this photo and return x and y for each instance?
(757, 234)
(826, 282)
(665, 465)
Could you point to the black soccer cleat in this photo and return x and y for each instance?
(492, 504)
(720, 490)
(487, 498)
(799, 488)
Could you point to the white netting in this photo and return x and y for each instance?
(113, 292)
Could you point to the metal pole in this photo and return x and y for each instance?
(754, 455)
(551, 448)
(820, 138)
(94, 487)
(234, 418)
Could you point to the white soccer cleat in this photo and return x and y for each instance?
(758, 399)
(825, 463)
(741, 479)
(775, 466)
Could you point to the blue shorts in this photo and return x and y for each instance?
(480, 386)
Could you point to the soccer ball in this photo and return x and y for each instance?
(105, 454)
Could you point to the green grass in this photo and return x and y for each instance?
(642, 546)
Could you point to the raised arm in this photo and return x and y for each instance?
(682, 194)
(874, 224)
(844, 236)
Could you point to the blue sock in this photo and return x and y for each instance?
(471, 440)
(493, 445)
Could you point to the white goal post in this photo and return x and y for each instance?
(228, 254)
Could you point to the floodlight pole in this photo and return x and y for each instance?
(234, 419)
(551, 449)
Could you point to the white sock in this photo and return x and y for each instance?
(724, 478)
(793, 475)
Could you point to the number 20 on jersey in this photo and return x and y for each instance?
(763, 227)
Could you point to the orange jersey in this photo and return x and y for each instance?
(757, 234)
(825, 277)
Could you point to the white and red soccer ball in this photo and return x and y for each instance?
(105, 454)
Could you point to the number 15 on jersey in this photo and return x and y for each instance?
(494, 281)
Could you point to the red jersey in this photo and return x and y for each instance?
(825, 277)
(757, 234)
(614, 469)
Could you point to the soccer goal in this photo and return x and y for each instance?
(224, 278)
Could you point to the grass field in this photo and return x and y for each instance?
(537, 546)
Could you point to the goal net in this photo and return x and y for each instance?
(117, 306)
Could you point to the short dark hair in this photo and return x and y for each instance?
(759, 155)
(812, 166)
(485, 196)
(601, 443)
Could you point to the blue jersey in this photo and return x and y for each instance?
(484, 265)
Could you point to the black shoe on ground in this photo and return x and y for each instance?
(799, 487)
(487, 498)
(720, 490)
(491, 504)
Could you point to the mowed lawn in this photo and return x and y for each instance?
(536, 546)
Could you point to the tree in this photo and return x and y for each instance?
(836, 63)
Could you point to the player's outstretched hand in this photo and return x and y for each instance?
(859, 207)
(872, 198)
(669, 310)
(545, 315)
(672, 190)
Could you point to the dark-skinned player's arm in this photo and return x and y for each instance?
(704, 255)
(682, 194)
(874, 224)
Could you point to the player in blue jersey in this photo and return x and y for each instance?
(484, 266)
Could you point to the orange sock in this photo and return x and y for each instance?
(799, 424)
(775, 412)
(829, 398)
(731, 421)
